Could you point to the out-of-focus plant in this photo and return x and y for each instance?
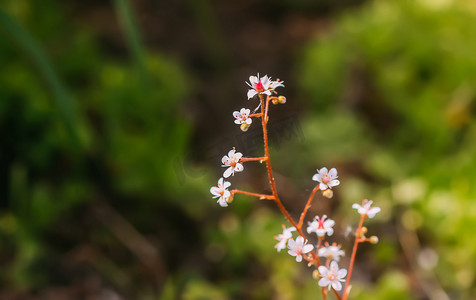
(77, 126)
(409, 67)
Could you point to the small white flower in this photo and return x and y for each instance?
(232, 162)
(299, 247)
(242, 116)
(221, 192)
(284, 237)
(366, 209)
(326, 179)
(332, 277)
(263, 85)
(332, 252)
(321, 226)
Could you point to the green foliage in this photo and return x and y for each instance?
(407, 70)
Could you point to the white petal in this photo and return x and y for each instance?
(224, 160)
(238, 155)
(231, 152)
(248, 121)
(226, 194)
(291, 252)
(323, 171)
(333, 183)
(239, 167)
(341, 274)
(222, 202)
(330, 231)
(215, 191)
(334, 267)
(323, 270)
(315, 177)
(220, 182)
(236, 114)
(300, 240)
(324, 282)
(253, 79)
(251, 94)
(337, 285)
(228, 172)
(356, 206)
(322, 186)
(298, 258)
(307, 248)
(333, 173)
(226, 184)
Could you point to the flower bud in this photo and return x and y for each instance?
(282, 99)
(364, 230)
(328, 193)
(373, 239)
(315, 274)
(275, 100)
(244, 127)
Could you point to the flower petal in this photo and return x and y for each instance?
(333, 173)
(239, 167)
(337, 285)
(324, 282)
(342, 273)
(322, 186)
(333, 183)
(298, 258)
(251, 94)
(228, 172)
(323, 171)
(315, 177)
(307, 248)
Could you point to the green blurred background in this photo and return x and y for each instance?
(114, 116)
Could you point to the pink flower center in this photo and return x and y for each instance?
(325, 179)
(232, 163)
(320, 223)
(259, 87)
(331, 276)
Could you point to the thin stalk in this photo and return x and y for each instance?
(261, 196)
(354, 252)
(308, 205)
(270, 171)
(243, 159)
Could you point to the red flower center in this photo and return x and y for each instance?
(259, 87)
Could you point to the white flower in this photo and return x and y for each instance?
(326, 179)
(242, 116)
(332, 277)
(321, 226)
(299, 247)
(221, 192)
(332, 252)
(366, 209)
(263, 85)
(232, 161)
(284, 237)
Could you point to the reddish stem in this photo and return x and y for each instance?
(308, 205)
(243, 159)
(354, 251)
(256, 115)
(337, 294)
(261, 196)
(270, 171)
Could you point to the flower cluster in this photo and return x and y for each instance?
(322, 255)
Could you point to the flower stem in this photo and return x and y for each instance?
(308, 205)
(268, 165)
(261, 196)
(354, 251)
(243, 159)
